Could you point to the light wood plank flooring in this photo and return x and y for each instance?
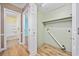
(17, 50)
(45, 50)
(48, 50)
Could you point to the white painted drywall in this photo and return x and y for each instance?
(60, 32)
(40, 29)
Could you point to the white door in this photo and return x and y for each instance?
(32, 28)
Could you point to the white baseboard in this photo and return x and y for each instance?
(2, 49)
(33, 53)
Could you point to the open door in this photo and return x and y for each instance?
(30, 28)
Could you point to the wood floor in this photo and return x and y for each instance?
(48, 50)
(45, 50)
(18, 50)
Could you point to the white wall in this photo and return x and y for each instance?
(60, 32)
(59, 13)
(40, 29)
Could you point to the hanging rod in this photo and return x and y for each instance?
(59, 44)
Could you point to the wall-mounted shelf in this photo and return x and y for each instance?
(58, 19)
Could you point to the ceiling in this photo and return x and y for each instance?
(46, 7)
(43, 6)
(19, 5)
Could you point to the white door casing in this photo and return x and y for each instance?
(75, 29)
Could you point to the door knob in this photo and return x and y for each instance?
(78, 31)
(33, 32)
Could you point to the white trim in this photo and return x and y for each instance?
(33, 53)
(23, 41)
(5, 47)
(0, 26)
(75, 25)
(2, 49)
(73, 29)
(18, 26)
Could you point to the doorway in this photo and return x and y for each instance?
(11, 28)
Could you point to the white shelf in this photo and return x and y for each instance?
(57, 19)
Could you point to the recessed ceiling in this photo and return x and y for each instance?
(19, 5)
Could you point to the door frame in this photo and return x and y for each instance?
(75, 29)
(23, 33)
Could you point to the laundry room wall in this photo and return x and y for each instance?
(61, 30)
(40, 28)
